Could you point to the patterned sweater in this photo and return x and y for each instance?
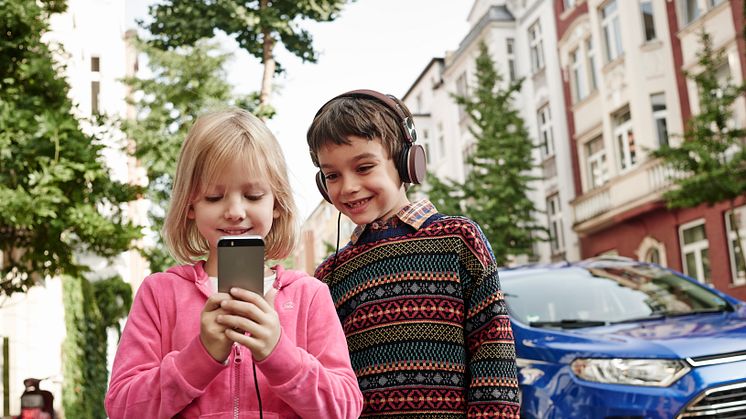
(425, 319)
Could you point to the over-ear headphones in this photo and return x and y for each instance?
(411, 163)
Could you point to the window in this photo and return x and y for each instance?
(596, 163)
(583, 70)
(509, 47)
(95, 88)
(653, 255)
(546, 139)
(441, 141)
(466, 153)
(579, 91)
(536, 45)
(648, 24)
(736, 220)
(95, 64)
(591, 57)
(690, 11)
(658, 104)
(461, 91)
(554, 213)
(426, 143)
(568, 4)
(625, 140)
(695, 251)
(651, 250)
(611, 30)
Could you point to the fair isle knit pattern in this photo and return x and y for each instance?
(426, 322)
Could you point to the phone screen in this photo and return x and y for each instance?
(241, 263)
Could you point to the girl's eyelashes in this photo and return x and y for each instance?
(250, 197)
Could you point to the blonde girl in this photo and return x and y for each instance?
(190, 351)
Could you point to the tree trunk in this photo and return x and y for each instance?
(268, 44)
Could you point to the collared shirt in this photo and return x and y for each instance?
(413, 215)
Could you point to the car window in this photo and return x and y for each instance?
(606, 293)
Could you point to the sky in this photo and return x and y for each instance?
(374, 44)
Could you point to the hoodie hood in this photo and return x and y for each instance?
(196, 273)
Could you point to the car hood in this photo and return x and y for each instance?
(675, 337)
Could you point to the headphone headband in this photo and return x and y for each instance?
(406, 122)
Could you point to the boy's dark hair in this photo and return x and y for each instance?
(360, 116)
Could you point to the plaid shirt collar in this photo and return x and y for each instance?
(413, 214)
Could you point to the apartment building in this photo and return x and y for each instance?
(319, 235)
(97, 56)
(520, 36)
(626, 95)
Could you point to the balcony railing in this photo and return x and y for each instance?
(643, 184)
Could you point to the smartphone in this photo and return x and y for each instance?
(241, 263)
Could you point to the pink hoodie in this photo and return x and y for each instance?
(162, 370)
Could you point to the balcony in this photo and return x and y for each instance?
(600, 207)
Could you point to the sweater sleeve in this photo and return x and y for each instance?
(318, 382)
(148, 380)
(493, 387)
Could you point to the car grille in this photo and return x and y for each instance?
(726, 402)
(717, 359)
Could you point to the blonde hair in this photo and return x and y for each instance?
(215, 141)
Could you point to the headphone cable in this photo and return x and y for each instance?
(256, 386)
(336, 251)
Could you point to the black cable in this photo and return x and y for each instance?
(256, 386)
(336, 251)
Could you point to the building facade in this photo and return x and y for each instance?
(626, 95)
(96, 56)
(520, 36)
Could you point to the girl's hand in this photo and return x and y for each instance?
(212, 333)
(249, 312)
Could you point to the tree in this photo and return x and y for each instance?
(185, 83)
(57, 197)
(711, 161)
(494, 193)
(257, 26)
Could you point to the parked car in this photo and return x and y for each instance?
(617, 338)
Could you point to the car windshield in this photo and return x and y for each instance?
(602, 294)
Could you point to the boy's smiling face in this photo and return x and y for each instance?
(362, 180)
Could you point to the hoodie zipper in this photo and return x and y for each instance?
(236, 379)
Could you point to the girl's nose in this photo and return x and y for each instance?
(234, 210)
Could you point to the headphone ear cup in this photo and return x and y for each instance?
(402, 164)
(412, 165)
(321, 184)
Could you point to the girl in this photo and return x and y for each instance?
(181, 353)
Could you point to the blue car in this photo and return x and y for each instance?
(617, 338)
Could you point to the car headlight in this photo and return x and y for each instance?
(635, 372)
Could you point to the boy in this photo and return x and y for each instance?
(417, 291)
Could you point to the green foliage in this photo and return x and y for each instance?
(113, 297)
(186, 82)
(445, 195)
(494, 193)
(251, 23)
(712, 157)
(56, 193)
(84, 351)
